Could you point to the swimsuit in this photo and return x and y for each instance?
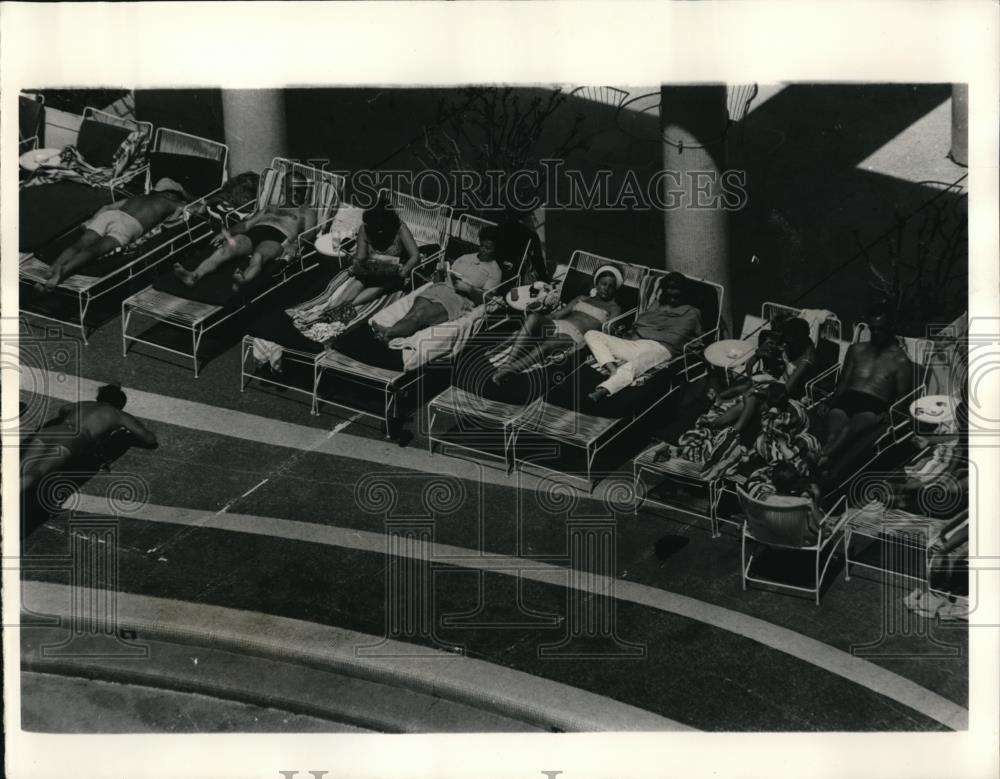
(856, 402)
(116, 224)
(260, 233)
(567, 328)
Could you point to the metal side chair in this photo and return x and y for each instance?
(791, 523)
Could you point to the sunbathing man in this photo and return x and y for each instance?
(565, 328)
(76, 432)
(263, 237)
(658, 334)
(114, 225)
(468, 279)
(875, 374)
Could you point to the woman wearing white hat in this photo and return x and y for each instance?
(563, 329)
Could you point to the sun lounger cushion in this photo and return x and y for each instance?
(198, 175)
(215, 288)
(97, 142)
(49, 210)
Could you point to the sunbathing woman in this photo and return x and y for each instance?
(263, 237)
(115, 225)
(464, 287)
(563, 330)
(382, 239)
(797, 359)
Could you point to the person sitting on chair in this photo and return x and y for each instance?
(265, 236)
(115, 225)
(468, 279)
(565, 328)
(383, 237)
(875, 374)
(658, 334)
(797, 357)
(76, 432)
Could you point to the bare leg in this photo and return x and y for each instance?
(263, 254)
(367, 294)
(524, 337)
(89, 246)
(352, 288)
(836, 433)
(240, 247)
(423, 314)
(532, 356)
(729, 416)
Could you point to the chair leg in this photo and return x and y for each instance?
(817, 575)
(847, 556)
(743, 560)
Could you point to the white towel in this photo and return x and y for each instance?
(815, 317)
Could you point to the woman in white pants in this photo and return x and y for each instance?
(658, 333)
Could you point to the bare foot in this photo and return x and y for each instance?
(381, 332)
(190, 278)
(599, 394)
(51, 282)
(238, 280)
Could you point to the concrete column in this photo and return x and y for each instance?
(254, 127)
(695, 225)
(960, 123)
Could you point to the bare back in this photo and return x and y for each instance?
(149, 210)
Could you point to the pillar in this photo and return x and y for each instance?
(693, 120)
(254, 128)
(960, 124)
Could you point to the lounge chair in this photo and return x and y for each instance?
(197, 163)
(212, 302)
(55, 200)
(483, 415)
(568, 420)
(362, 371)
(31, 112)
(300, 356)
(700, 486)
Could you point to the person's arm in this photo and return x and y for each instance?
(793, 382)
(564, 311)
(361, 247)
(143, 435)
(846, 373)
(412, 253)
(904, 376)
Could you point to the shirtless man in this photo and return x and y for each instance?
(875, 374)
(565, 328)
(75, 432)
(114, 225)
(265, 236)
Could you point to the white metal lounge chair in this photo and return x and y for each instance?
(787, 523)
(198, 318)
(429, 224)
(484, 424)
(560, 426)
(393, 383)
(703, 485)
(121, 270)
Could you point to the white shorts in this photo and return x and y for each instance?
(123, 227)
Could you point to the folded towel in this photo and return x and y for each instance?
(815, 317)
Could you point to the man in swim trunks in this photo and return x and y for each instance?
(117, 224)
(564, 329)
(76, 432)
(875, 374)
(263, 237)
(469, 278)
(658, 334)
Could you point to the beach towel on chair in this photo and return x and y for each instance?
(128, 162)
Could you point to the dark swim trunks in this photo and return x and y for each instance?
(260, 233)
(855, 402)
